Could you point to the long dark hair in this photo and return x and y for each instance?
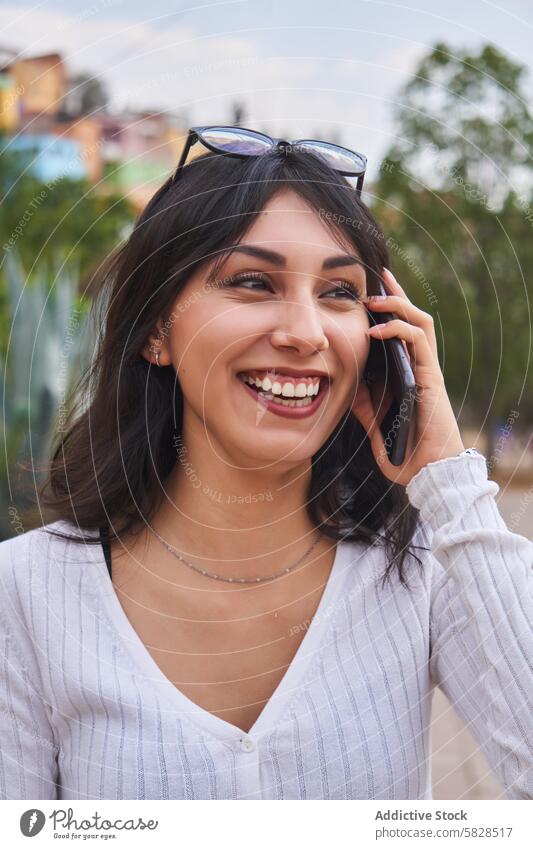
(109, 464)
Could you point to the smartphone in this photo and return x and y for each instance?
(388, 359)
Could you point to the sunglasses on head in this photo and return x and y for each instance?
(239, 141)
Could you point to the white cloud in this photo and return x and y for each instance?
(145, 65)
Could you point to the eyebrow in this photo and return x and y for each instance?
(281, 261)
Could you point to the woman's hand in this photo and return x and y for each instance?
(434, 433)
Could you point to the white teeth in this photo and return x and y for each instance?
(286, 390)
(288, 395)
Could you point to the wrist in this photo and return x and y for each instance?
(456, 449)
(425, 489)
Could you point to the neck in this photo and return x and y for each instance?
(235, 521)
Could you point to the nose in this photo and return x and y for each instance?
(300, 328)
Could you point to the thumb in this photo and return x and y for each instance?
(363, 408)
(364, 411)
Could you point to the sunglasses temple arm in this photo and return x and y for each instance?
(191, 139)
(359, 185)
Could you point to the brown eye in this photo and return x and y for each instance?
(239, 279)
(348, 289)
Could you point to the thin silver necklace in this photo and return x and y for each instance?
(233, 580)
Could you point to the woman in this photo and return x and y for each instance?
(262, 628)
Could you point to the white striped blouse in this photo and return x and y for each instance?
(85, 712)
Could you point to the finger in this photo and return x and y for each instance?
(396, 289)
(363, 408)
(412, 335)
(403, 308)
(364, 411)
(391, 284)
(408, 312)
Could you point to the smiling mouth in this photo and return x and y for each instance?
(293, 407)
(285, 400)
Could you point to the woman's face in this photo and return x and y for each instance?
(290, 315)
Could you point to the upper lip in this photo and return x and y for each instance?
(291, 372)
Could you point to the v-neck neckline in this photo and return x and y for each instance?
(287, 687)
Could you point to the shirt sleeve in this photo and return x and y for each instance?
(481, 613)
(28, 750)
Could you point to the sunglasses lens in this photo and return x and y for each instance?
(234, 140)
(337, 157)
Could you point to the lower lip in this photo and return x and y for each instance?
(289, 412)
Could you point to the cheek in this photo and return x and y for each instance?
(205, 336)
(208, 333)
(222, 331)
(351, 346)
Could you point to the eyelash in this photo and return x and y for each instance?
(345, 285)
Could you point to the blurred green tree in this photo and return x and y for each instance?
(454, 194)
(52, 236)
(65, 222)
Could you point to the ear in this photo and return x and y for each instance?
(157, 342)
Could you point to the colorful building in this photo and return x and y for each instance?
(132, 152)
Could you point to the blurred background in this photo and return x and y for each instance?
(95, 102)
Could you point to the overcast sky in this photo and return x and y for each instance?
(297, 66)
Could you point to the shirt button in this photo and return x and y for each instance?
(247, 745)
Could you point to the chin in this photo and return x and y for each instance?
(276, 449)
